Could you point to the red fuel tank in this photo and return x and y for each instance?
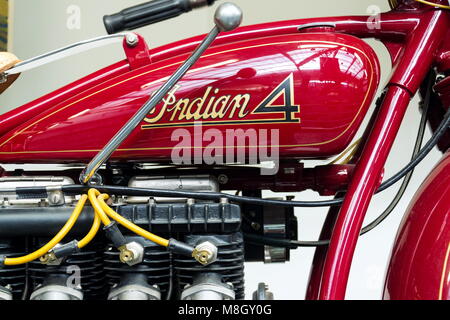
(304, 93)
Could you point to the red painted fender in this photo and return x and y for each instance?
(420, 262)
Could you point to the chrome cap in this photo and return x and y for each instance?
(228, 17)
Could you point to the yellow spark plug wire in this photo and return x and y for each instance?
(93, 194)
(128, 224)
(61, 234)
(102, 211)
(202, 255)
(92, 233)
(56, 239)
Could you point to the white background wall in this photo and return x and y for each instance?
(42, 25)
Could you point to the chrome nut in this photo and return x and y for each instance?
(205, 253)
(132, 253)
(132, 39)
(56, 198)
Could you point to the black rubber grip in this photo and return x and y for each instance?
(149, 13)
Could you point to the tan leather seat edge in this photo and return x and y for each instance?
(7, 61)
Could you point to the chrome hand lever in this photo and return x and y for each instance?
(228, 17)
(67, 51)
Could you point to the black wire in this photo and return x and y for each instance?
(256, 239)
(142, 192)
(445, 125)
(284, 243)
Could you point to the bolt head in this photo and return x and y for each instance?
(56, 198)
(223, 179)
(132, 39)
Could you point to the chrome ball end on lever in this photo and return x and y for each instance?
(228, 17)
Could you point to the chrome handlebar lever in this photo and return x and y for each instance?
(228, 17)
(68, 51)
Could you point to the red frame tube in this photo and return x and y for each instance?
(417, 59)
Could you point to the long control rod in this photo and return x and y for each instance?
(228, 17)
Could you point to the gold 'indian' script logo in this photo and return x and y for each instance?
(224, 109)
(205, 108)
